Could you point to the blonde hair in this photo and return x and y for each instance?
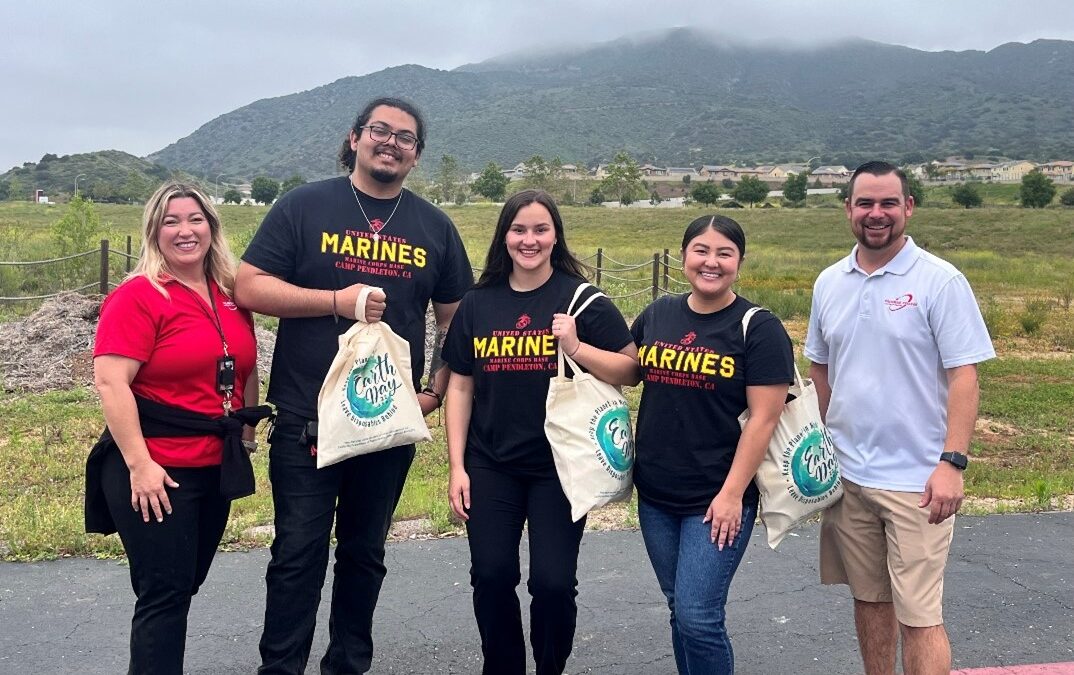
(219, 263)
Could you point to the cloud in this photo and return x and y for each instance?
(136, 76)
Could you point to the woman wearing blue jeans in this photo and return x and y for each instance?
(694, 467)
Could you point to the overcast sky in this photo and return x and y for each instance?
(138, 75)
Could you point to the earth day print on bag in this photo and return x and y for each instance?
(799, 475)
(367, 402)
(587, 423)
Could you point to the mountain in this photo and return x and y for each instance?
(681, 97)
(107, 175)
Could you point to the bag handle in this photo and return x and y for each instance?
(745, 326)
(363, 297)
(571, 311)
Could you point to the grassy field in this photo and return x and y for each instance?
(1020, 262)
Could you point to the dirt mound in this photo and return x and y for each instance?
(53, 347)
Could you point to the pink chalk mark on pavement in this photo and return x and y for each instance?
(1035, 669)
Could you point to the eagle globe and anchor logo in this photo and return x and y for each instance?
(371, 388)
(614, 438)
(814, 471)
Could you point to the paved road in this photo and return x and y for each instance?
(1010, 600)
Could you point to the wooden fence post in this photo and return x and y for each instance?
(128, 254)
(600, 261)
(656, 275)
(666, 261)
(104, 267)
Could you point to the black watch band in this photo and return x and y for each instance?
(956, 459)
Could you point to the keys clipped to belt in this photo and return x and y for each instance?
(308, 437)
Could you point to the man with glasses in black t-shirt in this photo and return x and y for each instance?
(319, 245)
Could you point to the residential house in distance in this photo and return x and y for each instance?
(1012, 172)
(517, 172)
(680, 171)
(718, 172)
(650, 170)
(570, 170)
(830, 175)
(781, 172)
(1058, 171)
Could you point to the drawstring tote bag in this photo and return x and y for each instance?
(367, 402)
(799, 475)
(587, 423)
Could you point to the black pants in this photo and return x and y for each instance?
(500, 503)
(360, 494)
(168, 560)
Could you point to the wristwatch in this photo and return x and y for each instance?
(251, 446)
(956, 459)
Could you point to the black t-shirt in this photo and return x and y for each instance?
(696, 368)
(503, 339)
(315, 236)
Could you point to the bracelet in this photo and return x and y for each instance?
(571, 355)
(428, 391)
(335, 314)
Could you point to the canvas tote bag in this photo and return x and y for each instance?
(367, 402)
(587, 423)
(799, 475)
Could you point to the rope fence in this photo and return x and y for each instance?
(658, 281)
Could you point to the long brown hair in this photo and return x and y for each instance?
(498, 263)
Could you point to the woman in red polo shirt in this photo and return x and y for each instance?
(170, 334)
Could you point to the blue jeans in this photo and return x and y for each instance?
(695, 576)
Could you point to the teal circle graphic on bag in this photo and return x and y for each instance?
(615, 438)
(814, 472)
(365, 398)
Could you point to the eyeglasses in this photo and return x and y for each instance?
(404, 139)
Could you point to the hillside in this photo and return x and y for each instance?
(681, 97)
(105, 176)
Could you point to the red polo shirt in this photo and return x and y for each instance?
(177, 343)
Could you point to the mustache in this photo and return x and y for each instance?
(384, 147)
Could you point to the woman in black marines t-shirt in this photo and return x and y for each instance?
(694, 468)
(501, 349)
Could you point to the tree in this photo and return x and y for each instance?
(1037, 190)
(491, 184)
(654, 198)
(263, 189)
(448, 177)
(538, 174)
(15, 189)
(705, 193)
(1067, 198)
(728, 183)
(291, 183)
(623, 179)
(417, 183)
(795, 187)
(232, 196)
(76, 231)
(917, 190)
(5, 191)
(966, 195)
(750, 189)
(136, 188)
(596, 197)
(686, 179)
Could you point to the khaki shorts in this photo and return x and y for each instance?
(882, 545)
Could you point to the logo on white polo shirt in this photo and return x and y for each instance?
(902, 302)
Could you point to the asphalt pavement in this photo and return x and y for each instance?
(1009, 600)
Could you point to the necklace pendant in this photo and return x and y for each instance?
(376, 236)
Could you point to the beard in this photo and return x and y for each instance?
(873, 244)
(384, 176)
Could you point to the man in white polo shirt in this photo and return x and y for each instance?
(895, 336)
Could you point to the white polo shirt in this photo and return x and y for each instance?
(887, 338)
